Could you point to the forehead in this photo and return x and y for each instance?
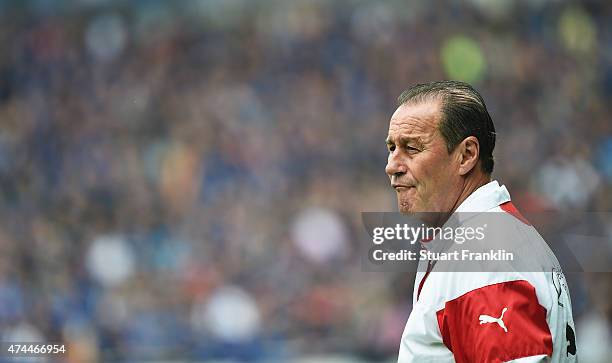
(415, 119)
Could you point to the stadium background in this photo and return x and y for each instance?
(183, 180)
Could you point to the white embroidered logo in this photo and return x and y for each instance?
(485, 319)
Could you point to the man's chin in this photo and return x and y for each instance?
(407, 207)
(428, 217)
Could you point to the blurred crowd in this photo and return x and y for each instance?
(184, 180)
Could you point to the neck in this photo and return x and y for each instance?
(469, 186)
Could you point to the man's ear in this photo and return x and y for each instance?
(469, 152)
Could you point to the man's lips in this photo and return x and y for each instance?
(401, 186)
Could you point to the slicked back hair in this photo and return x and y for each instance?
(464, 114)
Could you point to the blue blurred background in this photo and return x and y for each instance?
(183, 180)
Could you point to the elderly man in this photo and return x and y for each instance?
(441, 140)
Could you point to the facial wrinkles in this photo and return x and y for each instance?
(415, 121)
(412, 127)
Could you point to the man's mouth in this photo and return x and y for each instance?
(399, 187)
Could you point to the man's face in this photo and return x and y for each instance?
(423, 173)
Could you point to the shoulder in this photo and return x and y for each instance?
(503, 320)
(507, 229)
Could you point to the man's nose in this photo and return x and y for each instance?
(395, 165)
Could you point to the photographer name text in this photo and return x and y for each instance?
(457, 255)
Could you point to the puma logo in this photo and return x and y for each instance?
(485, 319)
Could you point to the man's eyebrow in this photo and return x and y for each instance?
(404, 140)
(411, 139)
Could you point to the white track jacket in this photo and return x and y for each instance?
(510, 315)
